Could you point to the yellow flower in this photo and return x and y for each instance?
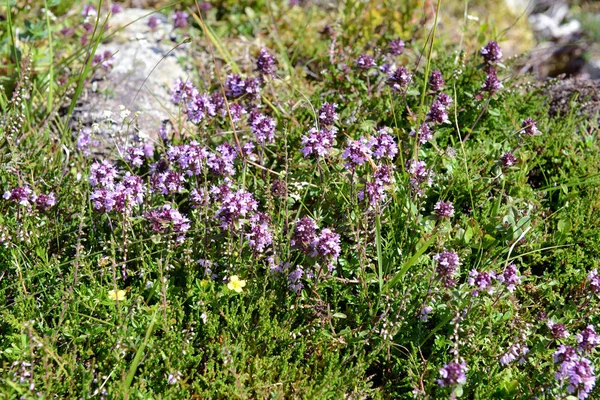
(236, 284)
(116, 295)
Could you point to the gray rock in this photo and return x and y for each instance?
(144, 67)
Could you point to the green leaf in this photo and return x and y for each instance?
(340, 315)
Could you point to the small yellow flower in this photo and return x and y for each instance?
(116, 295)
(236, 284)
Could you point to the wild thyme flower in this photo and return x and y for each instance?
(424, 133)
(235, 86)
(263, 127)
(579, 374)
(105, 60)
(588, 339)
(424, 313)
(481, 281)
(294, 277)
(252, 87)
(89, 11)
(446, 264)
(529, 127)
(103, 200)
(153, 22)
(453, 374)
(436, 81)
(103, 174)
(200, 107)
(357, 153)
(444, 209)
(199, 197)
(374, 191)
(318, 142)
(180, 19)
(491, 52)
(265, 63)
(304, 235)
(438, 113)
(182, 92)
(395, 47)
(134, 156)
(223, 163)
(564, 354)
(510, 277)
(399, 79)
(235, 206)
(594, 281)
(116, 8)
(167, 182)
(508, 160)
(327, 114)
(236, 111)
(21, 195)
(133, 187)
(44, 202)
(327, 245)
(189, 157)
(260, 236)
(492, 84)
(445, 99)
(365, 62)
(558, 331)
(383, 146)
(167, 220)
(516, 351)
(420, 175)
(279, 189)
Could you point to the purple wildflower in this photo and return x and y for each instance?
(357, 153)
(279, 189)
(134, 156)
(491, 52)
(558, 331)
(153, 22)
(103, 200)
(383, 145)
(304, 234)
(168, 220)
(180, 19)
(594, 281)
(588, 339)
(103, 174)
(182, 92)
(579, 373)
(89, 11)
(436, 81)
(199, 197)
(133, 187)
(529, 127)
(327, 245)
(492, 84)
(199, 108)
(515, 351)
(318, 142)
(236, 111)
(222, 164)
(445, 99)
(235, 86)
(116, 8)
(235, 206)
(444, 209)
(419, 175)
(447, 263)
(263, 127)
(508, 160)
(510, 277)
(453, 374)
(365, 62)
(438, 113)
(260, 236)
(564, 354)
(424, 133)
(294, 279)
(481, 281)
(399, 79)
(252, 87)
(265, 63)
(44, 202)
(327, 114)
(189, 157)
(424, 313)
(395, 47)
(375, 191)
(21, 195)
(167, 182)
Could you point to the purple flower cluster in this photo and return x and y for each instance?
(327, 114)
(436, 81)
(260, 236)
(588, 339)
(305, 233)
(424, 133)
(167, 220)
(508, 160)
(374, 191)
(558, 331)
(445, 99)
(265, 63)
(121, 197)
(167, 182)
(134, 156)
(594, 281)
(236, 86)
(453, 374)
(396, 47)
(180, 19)
(21, 195)
(365, 62)
(481, 281)
(492, 84)
(420, 175)
(318, 142)
(438, 113)
(105, 60)
(399, 79)
(357, 153)
(200, 107)
(235, 206)
(44, 202)
(103, 174)
(189, 157)
(383, 146)
(510, 277)
(577, 372)
(325, 245)
(222, 163)
(153, 22)
(444, 209)
(516, 351)
(182, 92)
(447, 263)
(491, 52)
(263, 127)
(199, 197)
(529, 127)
